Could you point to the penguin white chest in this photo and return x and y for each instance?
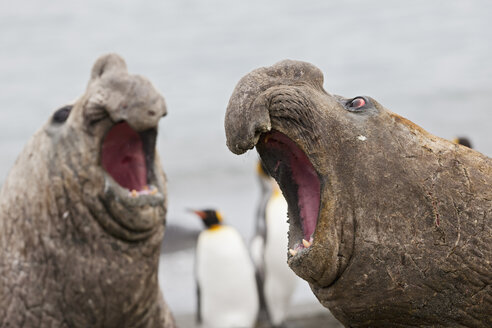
(280, 281)
(225, 278)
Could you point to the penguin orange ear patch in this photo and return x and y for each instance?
(219, 216)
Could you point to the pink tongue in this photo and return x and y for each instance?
(123, 157)
(308, 191)
(308, 194)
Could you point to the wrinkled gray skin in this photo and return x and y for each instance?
(75, 249)
(404, 232)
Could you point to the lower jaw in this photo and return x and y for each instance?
(133, 198)
(304, 264)
(128, 217)
(317, 262)
(311, 266)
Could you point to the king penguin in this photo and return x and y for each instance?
(276, 281)
(464, 141)
(226, 288)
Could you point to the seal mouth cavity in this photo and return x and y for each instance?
(128, 157)
(299, 182)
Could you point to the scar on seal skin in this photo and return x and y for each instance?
(82, 212)
(390, 225)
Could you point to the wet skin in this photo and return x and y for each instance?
(396, 222)
(82, 212)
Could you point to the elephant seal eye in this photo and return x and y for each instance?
(61, 114)
(357, 103)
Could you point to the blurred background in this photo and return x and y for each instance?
(430, 61)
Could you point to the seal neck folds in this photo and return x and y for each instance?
(297, 178)
(128, 157)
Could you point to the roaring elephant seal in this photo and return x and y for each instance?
(82, 212)
(390, 225)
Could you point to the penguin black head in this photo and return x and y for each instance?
(210, 218)
(463, 141)
(261, 170)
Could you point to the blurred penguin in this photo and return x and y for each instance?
(276, 281)
(226, 289)
(463, 141)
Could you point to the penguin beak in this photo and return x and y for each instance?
(201, 214)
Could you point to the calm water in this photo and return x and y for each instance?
(430, 61)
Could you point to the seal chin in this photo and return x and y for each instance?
(301, 186)
(149, 196)
(137, 215)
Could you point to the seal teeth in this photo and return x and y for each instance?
(301, 247)
(147, 190)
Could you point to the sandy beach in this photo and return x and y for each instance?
(177, 280)
(301, 316)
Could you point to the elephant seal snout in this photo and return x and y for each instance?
(82, 212)
(389, 224)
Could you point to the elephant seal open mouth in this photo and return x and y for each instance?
(390, 225)
(82, 212)
(300, 183)
(123, 112)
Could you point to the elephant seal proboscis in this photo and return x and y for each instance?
(390, 225)
(82, 212)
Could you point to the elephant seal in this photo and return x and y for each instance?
(82, 212)
(390, 225)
